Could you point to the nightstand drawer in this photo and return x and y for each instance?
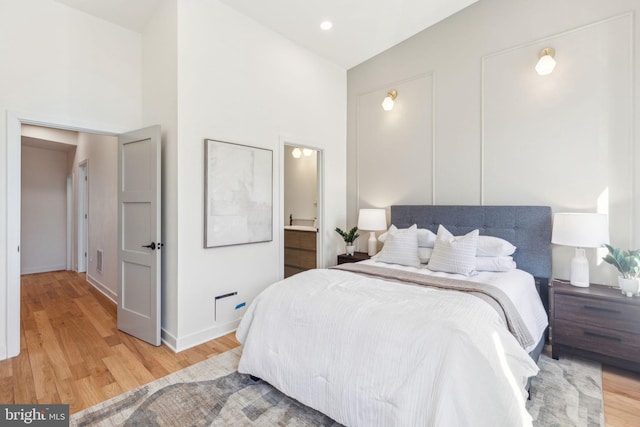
(609, 342)
(591, 311)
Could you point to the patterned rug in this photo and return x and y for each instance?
(211, 393)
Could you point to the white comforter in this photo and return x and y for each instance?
(368, 352)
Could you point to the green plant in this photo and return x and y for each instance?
(350, 236)
(627, 262)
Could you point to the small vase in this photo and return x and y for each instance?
(350, 249)
(629, 287)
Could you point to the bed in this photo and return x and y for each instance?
(370, 344)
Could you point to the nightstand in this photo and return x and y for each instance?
(597, 323)
(357, 256)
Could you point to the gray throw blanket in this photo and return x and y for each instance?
(492, 295)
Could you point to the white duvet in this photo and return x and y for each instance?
(368, 352)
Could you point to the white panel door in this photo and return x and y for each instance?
(139, 234)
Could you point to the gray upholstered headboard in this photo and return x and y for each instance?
(526, 227)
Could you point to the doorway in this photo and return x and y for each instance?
(12, 307)
(83, 216)
(302, 207)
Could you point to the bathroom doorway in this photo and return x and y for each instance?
(302, 219)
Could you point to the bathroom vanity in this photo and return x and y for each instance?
(299, 249)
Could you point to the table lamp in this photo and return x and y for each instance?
(582, 230)
(372, 220)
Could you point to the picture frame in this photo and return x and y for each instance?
(238, 194)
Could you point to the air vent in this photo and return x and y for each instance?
(99, 260)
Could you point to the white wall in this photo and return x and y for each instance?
(300, 187)
(101, 154)
(160, 106)
(240, 82)
(501, 133)
(60, 65)
(43, 211)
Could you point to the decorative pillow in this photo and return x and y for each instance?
(454, 254)
(483, 263)
(497, 263)
(426, 238)
(489, 246)
(400, 247)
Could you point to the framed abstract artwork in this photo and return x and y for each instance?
(238, 194)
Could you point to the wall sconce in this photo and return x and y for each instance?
(296, 153)
(546, 63)
(307, 152)
(389, 100)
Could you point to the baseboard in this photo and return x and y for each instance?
(102, 288)
(192, 340)
(45, 269)
(169, 340)
(3, 352)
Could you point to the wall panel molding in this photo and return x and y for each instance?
(368, 127)
(566, 139)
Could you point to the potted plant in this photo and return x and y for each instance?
(628, 264)
(349, 238)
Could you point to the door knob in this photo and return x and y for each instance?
(152, 246)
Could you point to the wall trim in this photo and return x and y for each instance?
(45, 269)
(631, 16)
(102, 288)
(184, 343)
(386, 87)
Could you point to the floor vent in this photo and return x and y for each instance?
(99, 261)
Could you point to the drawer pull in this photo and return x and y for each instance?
(607, 337)
(608, 310)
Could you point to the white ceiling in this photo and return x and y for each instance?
(361, 28)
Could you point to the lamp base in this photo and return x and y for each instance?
(579, 269)
(372, 243)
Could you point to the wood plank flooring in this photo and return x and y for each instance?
(71, 352)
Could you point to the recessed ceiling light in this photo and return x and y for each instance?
(326, 25)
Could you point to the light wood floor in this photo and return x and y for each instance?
(71, 352)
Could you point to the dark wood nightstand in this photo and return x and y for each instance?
(597, 322)
(357, 256)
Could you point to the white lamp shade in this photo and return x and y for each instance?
(372, 219)
(545, 65)
(583, 230)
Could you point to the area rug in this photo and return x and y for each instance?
(212, 393)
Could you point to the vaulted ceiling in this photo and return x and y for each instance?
(361, 28)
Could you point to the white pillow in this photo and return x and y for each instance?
(400, 247)
(424, 254)
(483, 263)
(497, 263)
(454, 254)
(489, 246)
(426, 238)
